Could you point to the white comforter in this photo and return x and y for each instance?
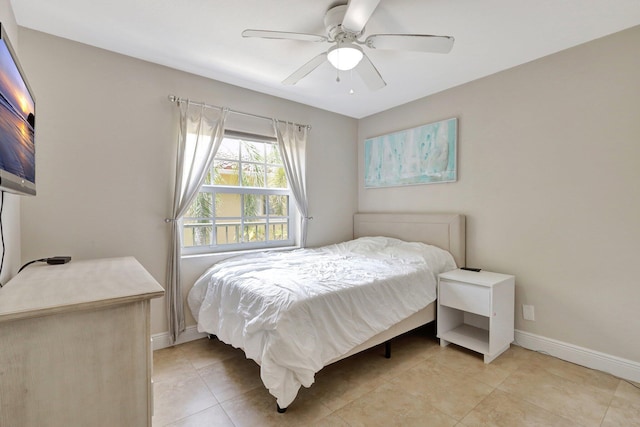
(292, 312)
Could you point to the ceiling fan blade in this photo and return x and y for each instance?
(369, 74)
(305, 69)
(358, 14)
(283, 35)
(413, 42)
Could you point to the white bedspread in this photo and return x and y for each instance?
(292, 312)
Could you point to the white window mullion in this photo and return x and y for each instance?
(214, 229)
(267, 215)
(241, 239)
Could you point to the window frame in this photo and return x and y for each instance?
(213, 189)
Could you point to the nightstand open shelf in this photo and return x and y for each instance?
(476, 311)
(471, 337)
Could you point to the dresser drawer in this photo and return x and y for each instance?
(467, 297)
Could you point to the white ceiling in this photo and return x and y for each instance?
(203, 37)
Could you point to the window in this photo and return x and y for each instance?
(244, 203)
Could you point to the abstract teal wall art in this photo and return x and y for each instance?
(423, 155)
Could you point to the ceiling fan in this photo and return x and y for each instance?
(344, 24)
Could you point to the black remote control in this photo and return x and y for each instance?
(470, 269)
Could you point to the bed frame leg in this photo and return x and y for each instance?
(212, 337)
(387, 349)
(281, 410)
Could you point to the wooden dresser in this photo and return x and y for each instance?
(75, 345)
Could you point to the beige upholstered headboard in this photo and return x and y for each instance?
(446, 231)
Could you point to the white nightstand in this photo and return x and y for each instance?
(475, 310)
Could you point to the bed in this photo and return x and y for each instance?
(325, 304)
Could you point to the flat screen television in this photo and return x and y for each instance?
(17, 124)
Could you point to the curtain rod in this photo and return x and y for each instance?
(178, 100)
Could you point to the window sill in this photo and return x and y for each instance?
(222, 255)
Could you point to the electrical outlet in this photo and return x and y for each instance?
(528, 313)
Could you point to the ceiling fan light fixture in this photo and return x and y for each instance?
(345, 56)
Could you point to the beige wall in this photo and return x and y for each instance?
(549, 168)
(105, 156)
(11, 209)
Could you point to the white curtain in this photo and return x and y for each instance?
(292, 141)
(200, 134)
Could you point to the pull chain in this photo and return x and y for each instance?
(351, 92)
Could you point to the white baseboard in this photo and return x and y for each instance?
(163, 340)
(622, 368)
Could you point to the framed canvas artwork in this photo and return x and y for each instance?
(423, 155)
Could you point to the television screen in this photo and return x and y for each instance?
(17, 124)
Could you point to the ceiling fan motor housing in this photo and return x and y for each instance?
(333, 23)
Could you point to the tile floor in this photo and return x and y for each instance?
(207, 383)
